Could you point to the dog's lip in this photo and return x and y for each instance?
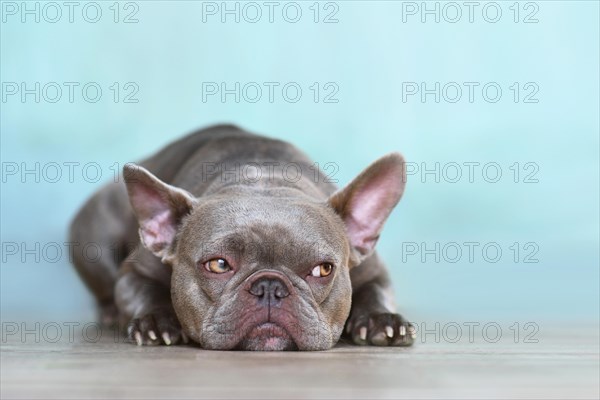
(268, 329)
(267, 336)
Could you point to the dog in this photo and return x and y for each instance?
(245, 245)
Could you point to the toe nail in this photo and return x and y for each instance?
(152, 335)
(138, 338)
(389, 331)
(402, 330)
(184, 338)
(363, 333)
(166, 338)
(413, 332)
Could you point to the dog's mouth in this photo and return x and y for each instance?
(267, 336)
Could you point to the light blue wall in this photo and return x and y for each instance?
(368, 54)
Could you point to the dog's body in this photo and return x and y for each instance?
(246, 245)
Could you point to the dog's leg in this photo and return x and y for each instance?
(373, 318)
(144, 301)
(98, 239)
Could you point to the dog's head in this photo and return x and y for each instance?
(264, 269)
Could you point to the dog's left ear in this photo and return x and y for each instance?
(366, 203)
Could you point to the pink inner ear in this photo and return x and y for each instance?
(147, 201)
(158, 232)
(369, 207)
(157, 224)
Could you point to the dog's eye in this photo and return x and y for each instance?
(217, 265)
(322, 270)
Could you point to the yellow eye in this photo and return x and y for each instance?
(217, 266)
(322, 270)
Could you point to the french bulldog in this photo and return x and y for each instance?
(245, 244)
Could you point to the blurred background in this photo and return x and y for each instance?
(495, 107)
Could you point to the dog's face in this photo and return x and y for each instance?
(257, 272)
(264, 269)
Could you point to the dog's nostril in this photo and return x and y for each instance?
(281, 293)
(258, 289)
(269, 287)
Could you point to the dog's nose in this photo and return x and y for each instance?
(269, 290)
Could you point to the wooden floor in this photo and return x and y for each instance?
(564, 364)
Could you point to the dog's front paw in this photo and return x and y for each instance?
(157, 327)
(380, 329)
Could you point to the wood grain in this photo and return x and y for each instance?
(564, 364)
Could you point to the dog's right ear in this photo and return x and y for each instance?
(366, 202)
(159, 208)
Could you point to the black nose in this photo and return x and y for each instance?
(269, 290)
